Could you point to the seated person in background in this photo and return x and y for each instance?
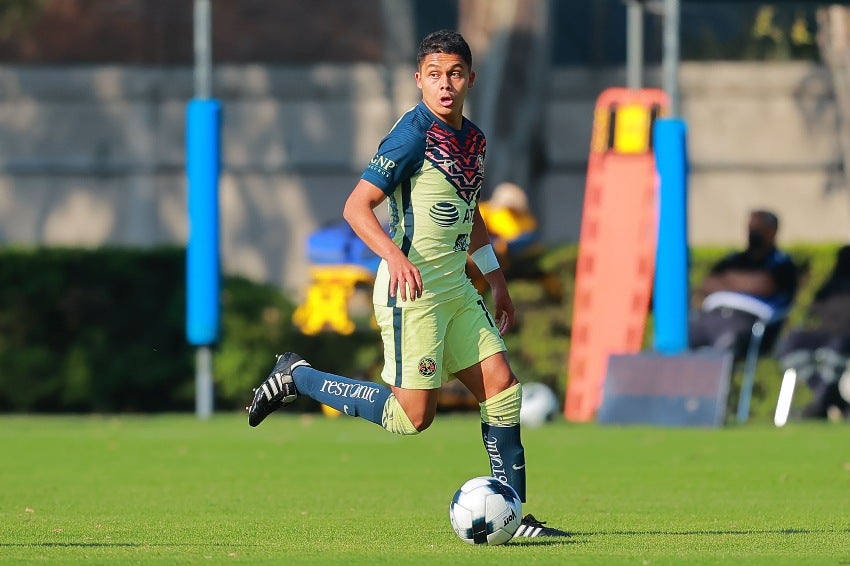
(820, 349)
(513, 228)
(757, 283)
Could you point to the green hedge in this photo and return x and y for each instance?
(257, 324)
(92, 331)
(103, 330)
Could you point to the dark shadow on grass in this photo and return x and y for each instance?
(789, 531)
(581, 537)
(544, 542)
(71, 544)
(105, 544)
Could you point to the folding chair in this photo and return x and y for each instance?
(763, 338)
(823, 357)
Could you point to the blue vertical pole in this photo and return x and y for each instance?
(203, 163)
(670, 294)
(203, 152)
(203, 265)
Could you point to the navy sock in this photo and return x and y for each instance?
(353, 397)
(507, 456)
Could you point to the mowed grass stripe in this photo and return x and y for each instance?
(309, 489)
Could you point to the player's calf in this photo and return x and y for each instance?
(501, 435)
(352, 397)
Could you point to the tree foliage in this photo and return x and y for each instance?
(16, 15)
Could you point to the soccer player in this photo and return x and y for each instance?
(434, 324)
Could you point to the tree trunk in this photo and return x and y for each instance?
(510, 46)
(834, 44)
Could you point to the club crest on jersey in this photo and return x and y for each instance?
(427, 367)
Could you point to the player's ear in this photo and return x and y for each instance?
(471, 79)
(418, 76)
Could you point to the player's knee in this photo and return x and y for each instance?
(421, 422)
(504, 407)
(420, 417)
(395, 419)
(504, 378)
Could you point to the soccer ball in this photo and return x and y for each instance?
(539, 404)
(485, 511)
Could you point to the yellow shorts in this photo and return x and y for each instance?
(424, 345)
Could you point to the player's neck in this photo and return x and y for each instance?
(453, 120)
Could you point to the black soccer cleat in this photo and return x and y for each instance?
(531, 527)
(277, 390)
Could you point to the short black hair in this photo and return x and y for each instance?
(769, 218)
(444, 41)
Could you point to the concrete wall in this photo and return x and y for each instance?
(759, 135)
(94, 155)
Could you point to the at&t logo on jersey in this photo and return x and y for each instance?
(427, 367)
(444, 214)
(382, 165)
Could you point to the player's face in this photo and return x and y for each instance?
(444, 80)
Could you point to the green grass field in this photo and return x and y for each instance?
(310, 489)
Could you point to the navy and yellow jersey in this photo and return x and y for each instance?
(431, 174)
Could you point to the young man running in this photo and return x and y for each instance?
(434, 324)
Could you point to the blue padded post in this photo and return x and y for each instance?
(203, 163)
(670, 291)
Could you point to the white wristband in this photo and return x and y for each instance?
(485, 258)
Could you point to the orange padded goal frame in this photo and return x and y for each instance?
(617, 243)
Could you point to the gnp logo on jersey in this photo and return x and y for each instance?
(444, 214)
(427, 367)
(382, 165)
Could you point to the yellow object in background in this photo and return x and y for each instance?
(632, 123)
(326, 305)
(330, 411)
(505, 222)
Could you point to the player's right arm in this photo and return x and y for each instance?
(359, 212)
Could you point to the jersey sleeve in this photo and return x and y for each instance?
(399, 156)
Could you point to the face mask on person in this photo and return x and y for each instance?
(755, 240)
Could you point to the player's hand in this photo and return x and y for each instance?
(405, 279)
(503, 308)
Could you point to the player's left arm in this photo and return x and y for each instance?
(502, 302)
